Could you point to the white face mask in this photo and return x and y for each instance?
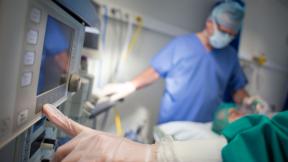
(219, 39)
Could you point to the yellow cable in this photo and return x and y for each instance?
(134, 38)
(118, 123)
(133, 41)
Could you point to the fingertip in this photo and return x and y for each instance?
(47, 107)
(44, 108)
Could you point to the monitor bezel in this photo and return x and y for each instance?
(58, 95)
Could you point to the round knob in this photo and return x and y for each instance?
(74, 83)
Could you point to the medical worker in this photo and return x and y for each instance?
(197, 69)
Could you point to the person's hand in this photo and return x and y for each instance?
(117, 91)
(67, 125)
(256, 104)
(102, 147)
(90, 145)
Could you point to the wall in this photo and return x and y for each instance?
(265, 31)
(185, 14)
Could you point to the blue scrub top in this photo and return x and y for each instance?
(195, 79)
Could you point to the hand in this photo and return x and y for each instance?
(91, 145)
(256, 104)
(102, 147)
(117, 91)
(67, 125)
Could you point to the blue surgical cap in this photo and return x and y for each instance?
(229, 15)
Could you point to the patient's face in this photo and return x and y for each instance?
(234, 115)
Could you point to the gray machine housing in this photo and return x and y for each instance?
(22, 30)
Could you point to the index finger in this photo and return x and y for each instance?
(67, 125)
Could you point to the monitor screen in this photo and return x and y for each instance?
(55, 56)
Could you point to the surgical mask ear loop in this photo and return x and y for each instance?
(215, 27)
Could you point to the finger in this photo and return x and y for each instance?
(108, 90)
(117, 97)
(74, 156)
(67, 125)
(50, 111)
(54, 115)
(67, 148)
(64, 150)
(87, 149)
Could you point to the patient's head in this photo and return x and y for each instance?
(229, 112)
(225, 116)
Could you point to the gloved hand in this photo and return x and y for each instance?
(67, 125)
(117, 91)
(256, 104)
(91, 145)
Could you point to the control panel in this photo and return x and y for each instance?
(40, 48)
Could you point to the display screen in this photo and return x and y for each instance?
(55, 56)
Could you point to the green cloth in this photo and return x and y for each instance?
(221, 117)
(256, 138)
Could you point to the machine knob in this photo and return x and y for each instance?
(74, 83)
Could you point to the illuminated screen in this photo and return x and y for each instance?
(55, 56)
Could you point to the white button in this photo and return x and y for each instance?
(22, 117)
(35, 15)
(29, 58)
(26, 79)
(32, 37)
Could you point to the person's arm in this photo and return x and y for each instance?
(160, 66)
(240, 95)
(119, 91)
(238, 82)
(147, 77)
(92, 145)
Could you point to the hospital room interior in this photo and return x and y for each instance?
(144, 80)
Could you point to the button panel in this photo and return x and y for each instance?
(26, 79)
(29, 58)
(35, 15)
(32, 37)
(22, 117)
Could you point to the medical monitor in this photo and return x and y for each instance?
(40, 48)
(56, 54)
